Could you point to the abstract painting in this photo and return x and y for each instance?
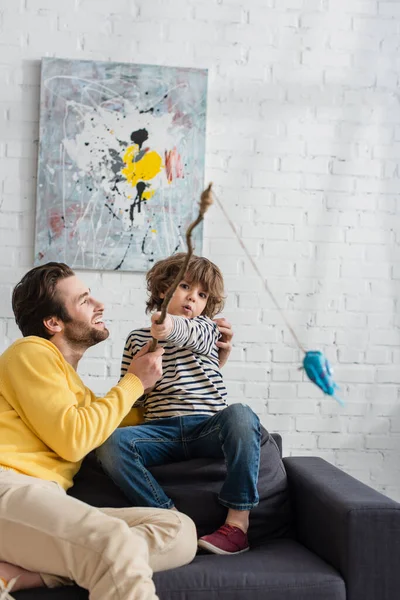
(121, 162)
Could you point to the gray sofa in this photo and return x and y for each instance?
(317, 534)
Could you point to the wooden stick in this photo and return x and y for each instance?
(205, 201)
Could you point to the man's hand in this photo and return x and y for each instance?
(147, 366)
(225, 343)
(161, 332)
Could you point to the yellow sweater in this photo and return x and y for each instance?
(49, 420)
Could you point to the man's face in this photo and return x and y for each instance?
(86, 327)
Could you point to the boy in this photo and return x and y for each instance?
(186, 415)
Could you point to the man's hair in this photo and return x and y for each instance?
(34, 298)
(200, 271)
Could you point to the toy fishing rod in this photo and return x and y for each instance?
(315, 364)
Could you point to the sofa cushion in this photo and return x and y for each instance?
(279, 570)
(193, 485)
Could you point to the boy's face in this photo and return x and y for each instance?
(189, 300)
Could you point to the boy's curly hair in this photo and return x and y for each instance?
(200, 271)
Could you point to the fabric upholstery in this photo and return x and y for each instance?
(279, 570)
(350, 525)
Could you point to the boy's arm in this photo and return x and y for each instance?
(40, 392)
(126, 356)
(135, 341)
(199, 335)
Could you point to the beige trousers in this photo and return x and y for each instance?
(112, 552)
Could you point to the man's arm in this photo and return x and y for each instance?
(61, 411)
(137, 344)
(225, 341)
(199, 335)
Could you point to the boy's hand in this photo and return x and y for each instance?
(225, 343)
(161, 332)
(147, 366)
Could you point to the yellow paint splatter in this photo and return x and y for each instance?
(154, 231)
(144, 169)
(147, 194)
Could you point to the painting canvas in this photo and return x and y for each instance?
(121, 162)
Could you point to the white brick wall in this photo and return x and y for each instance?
(303, 144)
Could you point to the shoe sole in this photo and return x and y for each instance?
(215, 550)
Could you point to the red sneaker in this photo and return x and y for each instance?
(226, 540)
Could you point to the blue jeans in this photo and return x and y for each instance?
(232, 433)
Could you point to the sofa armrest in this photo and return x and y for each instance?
(349, 525)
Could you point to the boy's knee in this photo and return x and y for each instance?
(110, 451)
(241, 414)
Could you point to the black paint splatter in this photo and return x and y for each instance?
(149, 110)
(126, 252)
(144, 240)
(114, 214)
(139, 137)
(137, 203)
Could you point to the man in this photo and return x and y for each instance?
(49, 421)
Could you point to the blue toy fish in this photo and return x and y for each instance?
(319, 371)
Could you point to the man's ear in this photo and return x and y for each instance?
(53, 325)
(162, 295)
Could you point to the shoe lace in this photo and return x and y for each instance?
(5, 588)
(224, 529)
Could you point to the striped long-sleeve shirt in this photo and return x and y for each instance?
(191, 382)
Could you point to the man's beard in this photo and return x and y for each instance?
(82, 335)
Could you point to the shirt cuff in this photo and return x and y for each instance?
(132, 384)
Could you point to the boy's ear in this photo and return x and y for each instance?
(162, 295)
(53, 325)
